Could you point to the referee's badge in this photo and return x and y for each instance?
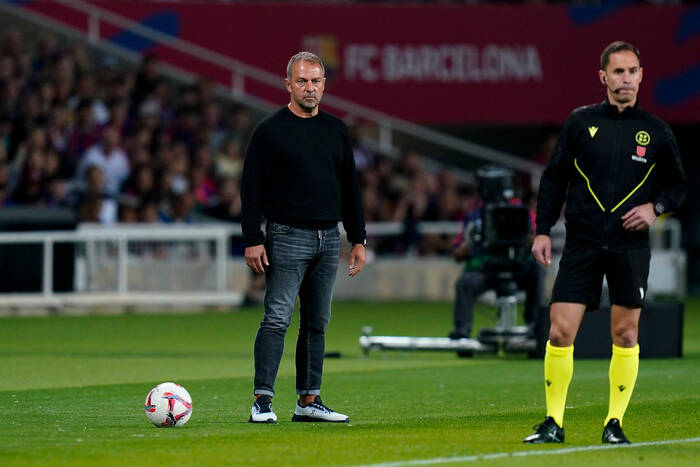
(642, 138)
(639, 157)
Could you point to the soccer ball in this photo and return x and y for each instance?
(168, 405)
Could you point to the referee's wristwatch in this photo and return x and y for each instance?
(364, 243)
(659, 208)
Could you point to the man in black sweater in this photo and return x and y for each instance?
(618, 168)
(299, 173)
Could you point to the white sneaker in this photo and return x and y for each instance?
(317, 412)
(262, 411)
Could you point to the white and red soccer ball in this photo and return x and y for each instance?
(168, 405)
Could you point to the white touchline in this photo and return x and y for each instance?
(540, 452)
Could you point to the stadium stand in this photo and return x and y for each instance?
(119, 144)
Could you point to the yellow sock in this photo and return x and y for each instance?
(558, 369)
(624, 365)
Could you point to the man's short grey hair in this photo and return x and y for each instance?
(307, 57)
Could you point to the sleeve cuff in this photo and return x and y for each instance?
(254, 240)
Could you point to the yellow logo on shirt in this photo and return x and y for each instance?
(592, 130)
(642, 138)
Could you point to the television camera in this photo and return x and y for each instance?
(504, 235)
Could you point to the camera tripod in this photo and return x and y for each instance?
(505, 336)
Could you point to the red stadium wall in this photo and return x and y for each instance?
(442, 64)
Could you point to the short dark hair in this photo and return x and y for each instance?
(615, 47)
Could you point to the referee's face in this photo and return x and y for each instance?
(306, 87)
(622, 77)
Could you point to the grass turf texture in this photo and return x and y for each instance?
(72, 392)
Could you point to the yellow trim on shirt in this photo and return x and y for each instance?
(588, 182)
(635, 188)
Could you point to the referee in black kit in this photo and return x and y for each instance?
(299, 174)
(618, 168)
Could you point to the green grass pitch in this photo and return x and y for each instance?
(72, 391)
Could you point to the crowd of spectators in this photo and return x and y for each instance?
(116, 145)
(127, 145)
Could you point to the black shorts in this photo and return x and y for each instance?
(581, 271)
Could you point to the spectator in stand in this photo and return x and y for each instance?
(415, 204)
(30, 187)
(122, 86)
(180, 162)
(90, 208)
(146, 79)
(468, 199)
(186, 127)
(119, 116)
(76, 51)
(227, 206)
(141, 183)
(11, 46)
(181, 202)
(85, 91)
(96, 184)
(29, 118)
(36, 141)
(229, 161)
(128, 209)
(364, 157)
(203, 187)
(83, 134)
(216, 132)
(241, 126)
(47, 97)
(106, 74)
(52, 164)
(148, 212)
(56, 192)
(202, 176)
(93, 185)
(64, 87)
(4, 182)
(46, 53)
(161, 96)
(59, 131)
(110, 158)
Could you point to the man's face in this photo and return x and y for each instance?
(622, 77)
(306, 86)
(110, 139)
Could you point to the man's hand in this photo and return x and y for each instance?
(256, 258)
(542, 249)
(358, 256)
(462, 251)
(639, 217)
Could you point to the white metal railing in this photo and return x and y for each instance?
(121, 238)
(240, 72)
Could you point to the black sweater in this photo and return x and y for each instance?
(301, 172)
(604, 164)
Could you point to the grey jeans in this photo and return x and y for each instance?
(304, 263)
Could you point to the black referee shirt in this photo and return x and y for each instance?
(604, 164)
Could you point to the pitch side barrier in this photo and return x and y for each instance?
(192, 267)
